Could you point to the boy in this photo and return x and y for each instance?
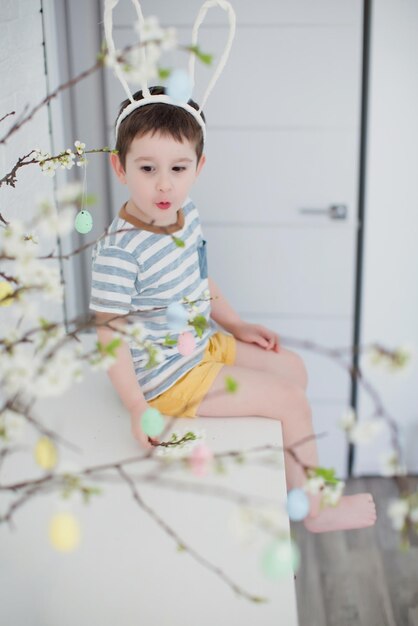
(160, 155)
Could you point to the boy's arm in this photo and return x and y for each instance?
(221, 311)
(121, 373)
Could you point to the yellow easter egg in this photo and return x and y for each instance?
(5, 290)
(46, 453)
(64, 532)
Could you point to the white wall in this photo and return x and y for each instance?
(23, 82)
(390, 287)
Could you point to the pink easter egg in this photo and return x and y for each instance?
(200, 459)
(186, 343)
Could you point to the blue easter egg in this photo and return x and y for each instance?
(179, 86)
(83, 222)
(297, 504)
(177, 316)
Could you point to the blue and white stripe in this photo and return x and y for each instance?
(139, 271)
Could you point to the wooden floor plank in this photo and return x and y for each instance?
(358, 577)
(413, 616)
(308, 580)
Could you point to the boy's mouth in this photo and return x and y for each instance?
(164, 205)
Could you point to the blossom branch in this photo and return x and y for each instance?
(183, 545)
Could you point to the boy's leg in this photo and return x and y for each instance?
(266, 394)
(287, 364)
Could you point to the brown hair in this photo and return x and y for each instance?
(166, 119)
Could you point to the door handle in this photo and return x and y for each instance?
(335, 211)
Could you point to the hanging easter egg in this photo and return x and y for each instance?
(64, 532)
(83, 222)
(200, 459)
(186, 343)
(46, 453)
(297, 504)
(5, 290)
(152, 422)
(177, 316)
(280, 558)
(179, 86)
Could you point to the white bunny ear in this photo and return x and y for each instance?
(147, 98)
(224, 4)
(108, 27)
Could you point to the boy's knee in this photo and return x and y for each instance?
(294, 397)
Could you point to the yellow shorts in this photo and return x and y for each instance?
(184, 397)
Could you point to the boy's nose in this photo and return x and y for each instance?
(164, 184)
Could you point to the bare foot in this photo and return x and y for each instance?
(357, 511)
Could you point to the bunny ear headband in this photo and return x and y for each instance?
(150, 99)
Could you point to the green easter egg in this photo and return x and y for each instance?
(83, 222)
(152, 422)
(280, 558)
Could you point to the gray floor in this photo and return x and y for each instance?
(358, 577)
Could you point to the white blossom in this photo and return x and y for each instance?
(12, 334)
(57, 374)
(132, 67)
(101, 361)
(37, 274)
(157, 351)
(314, 484)
(170, 40)
(153, 40)
(135, 70)
(150, 29)
(399, 362)
(137, 331)
(14, 243)
(348, 419)
(79, 146)
(65, 160)
(397, 510)
(331, 494)
(110, 58)
(26, 308)
(70, 192)
(52, 222)
(390, 465)
(13, 426)
(17, 367)
(60, 223)
(48, 339)
(364, 432)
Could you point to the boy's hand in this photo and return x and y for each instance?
(256, 333)
(138, 433)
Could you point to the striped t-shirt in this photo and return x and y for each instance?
(140, 270)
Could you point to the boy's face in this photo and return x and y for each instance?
(158, 169)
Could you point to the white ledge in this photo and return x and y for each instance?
(126, 569)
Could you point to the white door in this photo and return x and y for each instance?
(278, 193)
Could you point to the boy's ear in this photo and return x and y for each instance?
(201, 164)
(117, 167)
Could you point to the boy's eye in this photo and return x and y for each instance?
(147, 168)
